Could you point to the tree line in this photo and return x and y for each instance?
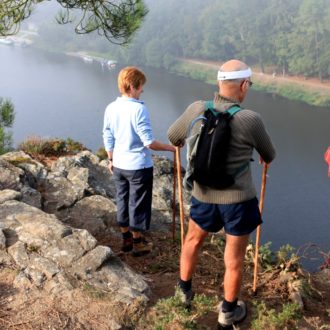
(285, 36)
(289, 36)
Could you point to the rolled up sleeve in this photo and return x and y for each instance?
(143, 126)
(108, 137)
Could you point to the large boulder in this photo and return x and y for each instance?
(35, 172)
(57, 258)
(10, 176)
(95, 178)
(96, 213)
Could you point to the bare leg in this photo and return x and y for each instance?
(189, 254)
(234, 260)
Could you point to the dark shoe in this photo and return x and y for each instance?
(142, 248)
(127, 244)
(185, 297)
(227, 319)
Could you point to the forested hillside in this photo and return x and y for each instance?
(288, 36)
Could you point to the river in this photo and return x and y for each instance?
(61, 96)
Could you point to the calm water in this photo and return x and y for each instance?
(61, 96)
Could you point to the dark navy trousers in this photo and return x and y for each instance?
(134, 197)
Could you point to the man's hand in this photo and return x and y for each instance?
(262, 162)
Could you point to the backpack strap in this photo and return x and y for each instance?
(233, 109)
(209, 105)
(193, 123)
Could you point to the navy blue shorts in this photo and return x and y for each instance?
(236, 219)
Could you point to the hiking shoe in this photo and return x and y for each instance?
(185, 297)
(227, 319)
(127, 244)
(142, 248)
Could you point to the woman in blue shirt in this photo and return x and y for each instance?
(128, 140)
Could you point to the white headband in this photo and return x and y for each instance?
(222, 75)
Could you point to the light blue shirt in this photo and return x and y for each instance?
(126, 132)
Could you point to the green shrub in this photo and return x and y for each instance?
(170, 314)
(74, 146)
(32, 145)
(270, 319)
(7, 117)
(101, 153)
(54, 147)
(50, 147)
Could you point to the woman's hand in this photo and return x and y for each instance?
(110, 166)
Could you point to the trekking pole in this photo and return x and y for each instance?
(174, 196)
(178, 167)
(261, 207)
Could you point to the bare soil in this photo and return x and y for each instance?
(311, 84)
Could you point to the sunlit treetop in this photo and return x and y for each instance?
(115, 20)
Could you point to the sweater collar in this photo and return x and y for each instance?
(222, 103)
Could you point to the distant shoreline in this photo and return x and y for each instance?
(310, 91)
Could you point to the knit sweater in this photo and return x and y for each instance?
(247, 133)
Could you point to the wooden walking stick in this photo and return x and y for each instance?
(261, 208)
(174, 196)
(178, 167)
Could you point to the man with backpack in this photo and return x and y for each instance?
(232, 204)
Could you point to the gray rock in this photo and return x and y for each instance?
(22, 281)
(99, 177)
(163, 193)
(79, 179)
(34, 170)
(5, 258)
(59, 284)
(44, 226)
(163, 186)
(35, 276)
(32, 242)
(44, 265)
(10, 176)
(92, 261)
(31, 197)
(58, 193)
(2, 240)
(116, 276)
(95, 213)
(10, 209)
(65, 251)
(8, 194)
(87, 241)
(19, 254)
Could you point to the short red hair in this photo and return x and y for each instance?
(130, 76)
